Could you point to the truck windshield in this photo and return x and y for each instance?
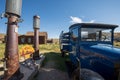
(96, 34)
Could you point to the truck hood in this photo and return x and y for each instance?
(108, 51)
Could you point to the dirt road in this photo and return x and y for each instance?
(49, 72)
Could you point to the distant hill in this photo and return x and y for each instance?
(117, 35)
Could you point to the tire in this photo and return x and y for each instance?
(75, 74)
(86, 74)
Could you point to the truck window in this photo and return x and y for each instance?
(106, 35)
(95, 34)
(74, 34)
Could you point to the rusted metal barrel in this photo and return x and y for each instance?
(36, 24)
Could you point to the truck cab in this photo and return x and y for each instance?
(92, 44)
(64, 42)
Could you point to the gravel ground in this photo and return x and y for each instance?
(48, 72)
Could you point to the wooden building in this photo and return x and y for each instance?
(28, 38)
(53, 41)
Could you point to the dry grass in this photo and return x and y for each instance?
(43, 48)
(49, 48)
(2, 50)
(117, 44)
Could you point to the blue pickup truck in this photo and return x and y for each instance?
(91, 50)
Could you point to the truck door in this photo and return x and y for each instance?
(74, 43)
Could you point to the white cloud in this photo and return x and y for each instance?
(92, 21)
(75, 19)
(79, 20)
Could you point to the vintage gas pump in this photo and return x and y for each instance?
(36, 26)
(13, 13)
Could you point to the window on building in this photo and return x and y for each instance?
(23, 40)
(29, 40)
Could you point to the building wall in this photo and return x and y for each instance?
(30, 39)
(25, 39)
(42, 40)
(55, 41)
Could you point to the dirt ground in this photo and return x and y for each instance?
(48, 72)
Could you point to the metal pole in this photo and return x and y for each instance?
(36, 24)
(11, 50)
(36, 44)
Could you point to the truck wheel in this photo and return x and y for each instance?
(87, 74)
(75, 74)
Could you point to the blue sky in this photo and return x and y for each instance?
(58, 15)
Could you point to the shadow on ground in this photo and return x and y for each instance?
(59, 62)
(53, 68)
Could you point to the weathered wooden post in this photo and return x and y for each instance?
(36, 26)
(13, 13)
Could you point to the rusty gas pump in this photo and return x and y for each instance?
(36, 26)
(12, 67)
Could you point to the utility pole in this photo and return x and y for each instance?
(36, 26)
(13, 13)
